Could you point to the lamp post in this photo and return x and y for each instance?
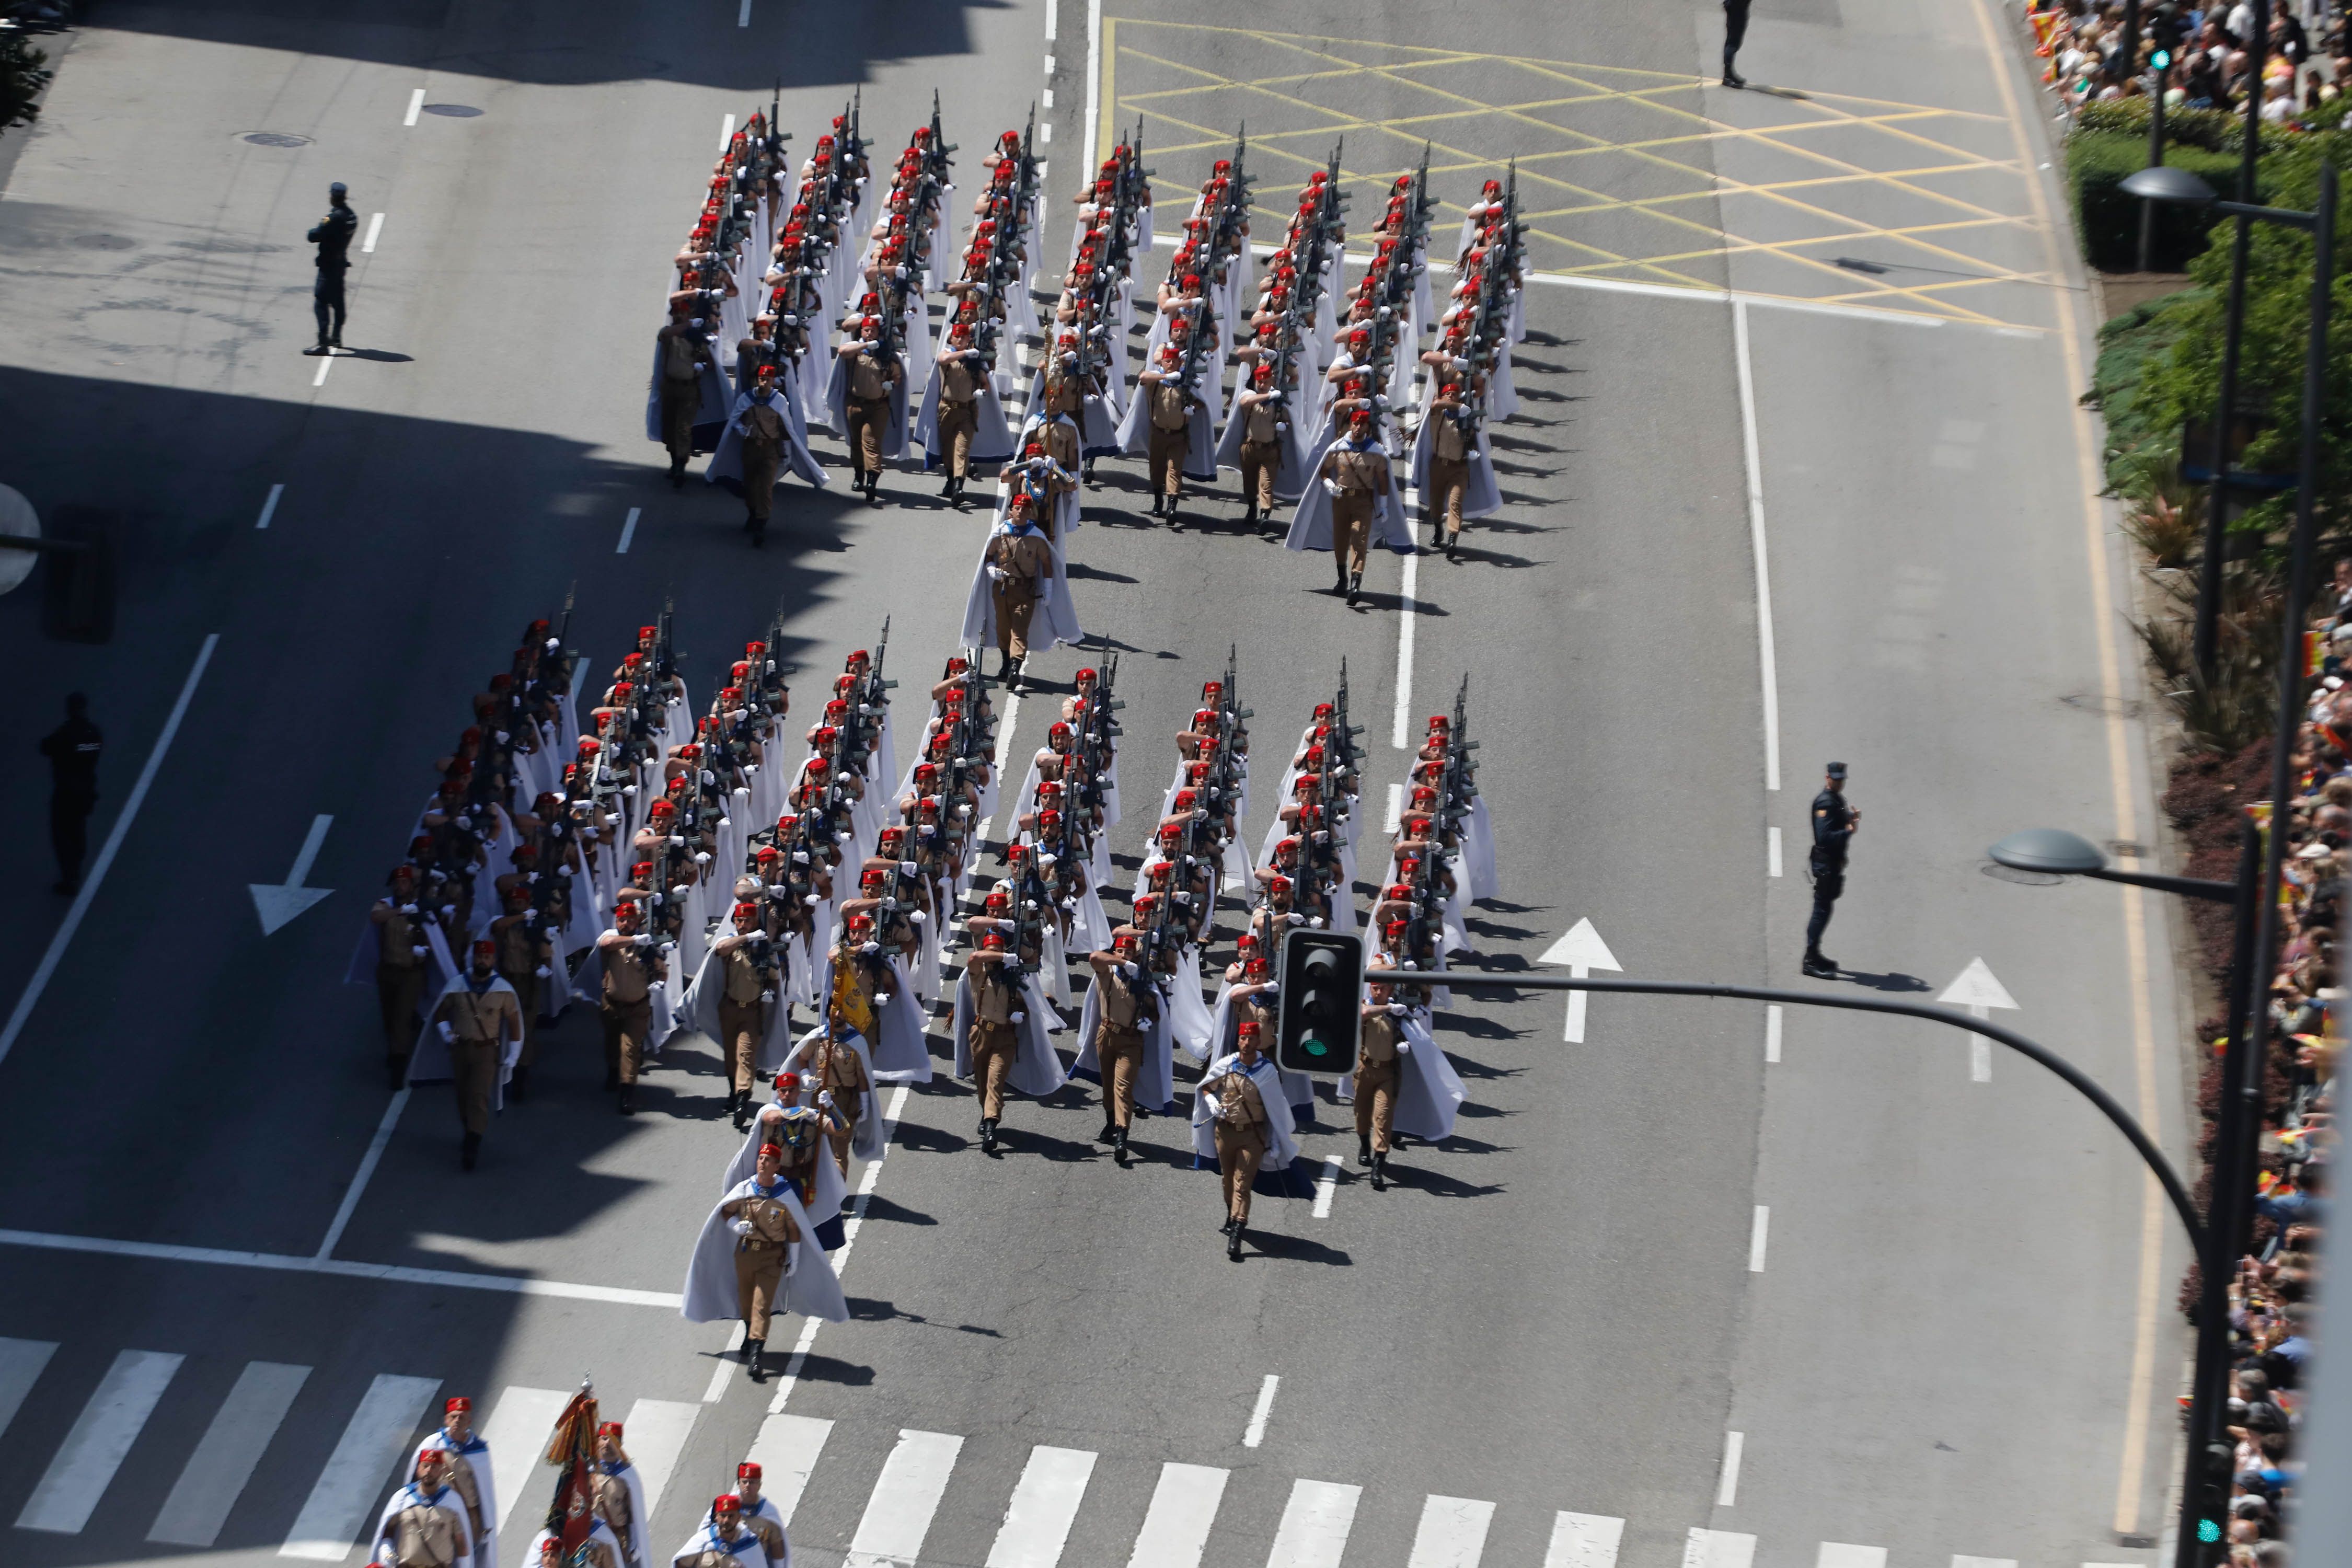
(2159, 62)
(2209, 581)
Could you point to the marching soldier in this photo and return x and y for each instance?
(765, 1227)
(1449, 469)
(1835, 823)
(526, 956)
(1261, 410)
(960, 371)
(761, 1516)
(1171, 403)
(400, 959)
(1128, 1003)
(474, 1018)
(1234, 1097)
(1356, 471)
(682, 350)
(423, 1525)
(833, 1069)
(468, 1458)
(761, 420)
(996, 1012)
(723, 1543)
(1381, 1043)
(872, 373)
(1020, 572)
(633, 965)
(621, 1496)
(748, 968)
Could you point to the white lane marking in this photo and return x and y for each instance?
(98, 1442)
(1979, 1059)
(270, 507)
(906, 1495)
(1258, 1413)
(375, 227)
(1452, 1533)
(375, 1443)
(1719, 1549)
(1094, 77)
(658, 1431)
(1396, 808)
(1962, 1559)
(849, 1229)
(1726, 1483)
(1053, 22)
(786, 1450)
(517, 1433)
(1044, 132)
(726, 134)
(1044, 1504)
(113, 847)
(1176, 1525)
(1326, 1184)
(287, 1263)
(1757, 1230)
(21, 1361)
(1401, 736)
(359, 1178)
(1583, 1541)
(743, 17)
(1772, 1034)
(1042, 168)
(628, 532)
(1839, 1555)
(1046, 97)
(276, 903)
(1772, 849)
(415, 107)
(723, 1371)
(1767, 664)
(325, 363)
(216, 1474)
(1315, 1525)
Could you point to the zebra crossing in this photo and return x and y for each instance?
(894, 1527)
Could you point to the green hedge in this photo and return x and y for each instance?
(2108, 220)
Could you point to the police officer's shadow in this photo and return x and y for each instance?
(380, 356)
(1894, 980)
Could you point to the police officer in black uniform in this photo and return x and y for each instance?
(1834, 822)
(73, 749)
(332, 235)
(1735, 32)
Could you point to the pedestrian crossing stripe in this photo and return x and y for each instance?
(371, 1455)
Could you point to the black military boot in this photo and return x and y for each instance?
(1110, 1134)
(988, 1136)
(395, 1073)
(960, 504)
(1119, 1147)
(467, 1149)
(1013, 675)
(627, 1102)
(677, 473)
(519, 1085)
(874, 487)
(948, 490)
(1227, 1228)
(1380, 1172)
(1158, 504)
(1363, 1151)
(1233, 1241)
(1355, 586)
(1730, 76)
(752, 1369)
(1818, 967)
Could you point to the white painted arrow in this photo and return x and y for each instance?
(278, 903)
(1583, 951)
(1980, 993)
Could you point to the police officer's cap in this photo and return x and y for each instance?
(1837, 770)
(338, 189)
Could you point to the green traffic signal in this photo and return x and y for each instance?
(2161, 59)
(2208, 1531)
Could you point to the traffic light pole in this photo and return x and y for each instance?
(2161, 1168)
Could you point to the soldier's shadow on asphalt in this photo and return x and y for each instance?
(882, 1208)
(1437, 1184)
(832, 1368)
(1293, 1249)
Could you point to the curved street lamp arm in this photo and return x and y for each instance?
(2082, 1082)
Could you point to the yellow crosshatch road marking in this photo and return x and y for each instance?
(1617, 167)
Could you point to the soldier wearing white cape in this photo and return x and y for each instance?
(468, 1458)
(425, 1521)
(1242, 1123)
(761, 1515)
(1439, 445)
(620, 1497)
(733, 1272)
(1311, 525)
(1037, 1067)
(1425, 1091)
(471, 1038)
(722, 1540)
(727, 463)
(601, 1549)
(800, 1131)
(804, 1061)
(1055, 619)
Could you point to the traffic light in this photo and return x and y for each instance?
(2212, 1499)
(2161, 59)
(1322, 987)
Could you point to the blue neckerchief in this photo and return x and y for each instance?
(473, 1445)
(768, 1191)
(416, 1490)
(480, 987)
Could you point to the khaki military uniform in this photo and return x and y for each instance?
(771, 1534)
(868, 411)
(839, 1071)
(765, 436)
(996, 1039)
(958, 415)
(1261, 455)
(709, 1557)
(476, 1022)
(399, 980)
(520, 953)
(1376, 1078)
(1024, 560)
(628, 1010)
(1170, 426)
(427, 1535)
(1449, 473)
(740, 1021)
(613, 1506)
(681, 393)
(1363, 479)
(1118, 1041)
(1242, 1134)
(760, 1258)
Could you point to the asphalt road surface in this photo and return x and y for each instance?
(1708, 1286)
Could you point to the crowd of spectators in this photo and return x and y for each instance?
(2306, 64)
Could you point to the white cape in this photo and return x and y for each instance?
(811, 1287)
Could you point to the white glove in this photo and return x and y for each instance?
(703, 856)
(1020, 1017)
(543, 972)
(418, 951)
(918, 916)
(1130, 970)
(1396, 1009)
(408, 909)
(1316, 922)
(448, 1035)
(741, 1227)
(1404, 1048)
(824, 1098)
(642, 939)
(882, 999)
(1294, 918)
(870, 947)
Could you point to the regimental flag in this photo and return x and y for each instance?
(572, 1448)
(849, 999)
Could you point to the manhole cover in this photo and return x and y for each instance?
(454, 111)
(105, 242)
(275, 139)
(2001, 873)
